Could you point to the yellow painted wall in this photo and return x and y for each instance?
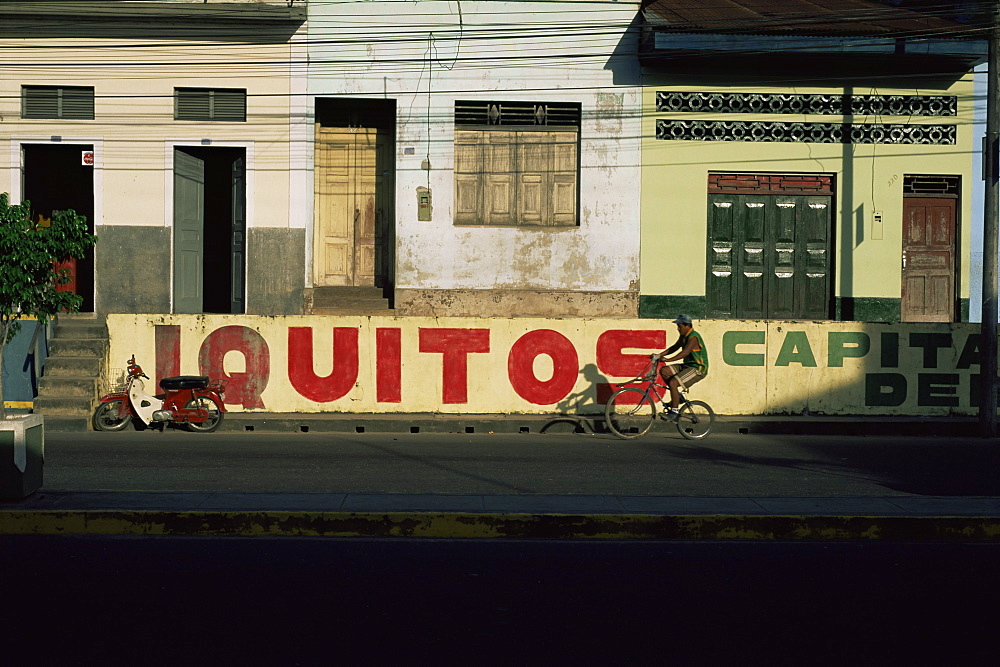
(869, 178)
(770, 367)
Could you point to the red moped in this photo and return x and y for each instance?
(192, 400)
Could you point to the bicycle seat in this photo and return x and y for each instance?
(185, 382)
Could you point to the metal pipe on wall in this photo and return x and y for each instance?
(991, 174)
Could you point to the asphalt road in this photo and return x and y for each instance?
(91, 599)
(722, 465)
(265, 601)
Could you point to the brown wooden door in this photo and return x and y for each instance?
(350, 212)
(928, 289)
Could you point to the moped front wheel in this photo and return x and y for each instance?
(215, 414)
(108, 416)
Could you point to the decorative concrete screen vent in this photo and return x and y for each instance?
(221, 104)
(66, 102)
(858, 105)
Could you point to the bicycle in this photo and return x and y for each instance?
(631, 411)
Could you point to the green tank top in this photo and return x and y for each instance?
(699, 355)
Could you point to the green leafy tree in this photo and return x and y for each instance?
(28, 274)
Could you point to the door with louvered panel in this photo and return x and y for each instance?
(769, 256)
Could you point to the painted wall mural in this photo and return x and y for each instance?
(480, 365)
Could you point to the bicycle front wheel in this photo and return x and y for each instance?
(629, 413)
(695, 420)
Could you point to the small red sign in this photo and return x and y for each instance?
(88, 159)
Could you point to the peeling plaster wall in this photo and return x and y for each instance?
(426, 56)
(503, 303)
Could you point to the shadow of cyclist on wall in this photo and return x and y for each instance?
(579, 408)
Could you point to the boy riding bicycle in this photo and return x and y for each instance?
(693, 368)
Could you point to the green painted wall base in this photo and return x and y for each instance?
(847, 309)
(22, 443)
(867, 309)
(669, 307)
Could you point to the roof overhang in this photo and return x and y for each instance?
(963, 54)
(123, 10)
(811, 31)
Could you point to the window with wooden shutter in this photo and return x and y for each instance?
(218, 104)
(64, 102)
(516, 163)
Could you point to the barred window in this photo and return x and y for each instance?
(64, 102)
(548, 114)
(219, 104)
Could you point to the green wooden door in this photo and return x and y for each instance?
(768, 256)
(238, 238)
(189, 230)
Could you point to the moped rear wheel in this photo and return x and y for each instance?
(108, 417)
(215, 414)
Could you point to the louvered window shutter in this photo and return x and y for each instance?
(219, 104)
(516, 163)
(65, 102)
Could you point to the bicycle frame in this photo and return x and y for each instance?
(632, 409)
(653, 390)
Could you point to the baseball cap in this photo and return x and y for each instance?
(683, 319)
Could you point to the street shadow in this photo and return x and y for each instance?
(436, 463)
(919, 466)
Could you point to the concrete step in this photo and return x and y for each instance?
(78, 347)
(357, 300)
(381, 304)
(347, 291)
(355, 311)
(81, 367)
(67, 423)
(80, 331)
(72, 379)
(73, 406)
(80, 327)
(69, 386)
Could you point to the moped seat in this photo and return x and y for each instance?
(185, 382)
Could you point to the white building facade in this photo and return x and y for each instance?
(166, 125)
(471, 159)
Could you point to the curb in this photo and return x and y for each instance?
(359, 423)
(466, 525)
(589, 424)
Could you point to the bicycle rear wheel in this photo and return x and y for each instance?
(629, 413)
(695, 420)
